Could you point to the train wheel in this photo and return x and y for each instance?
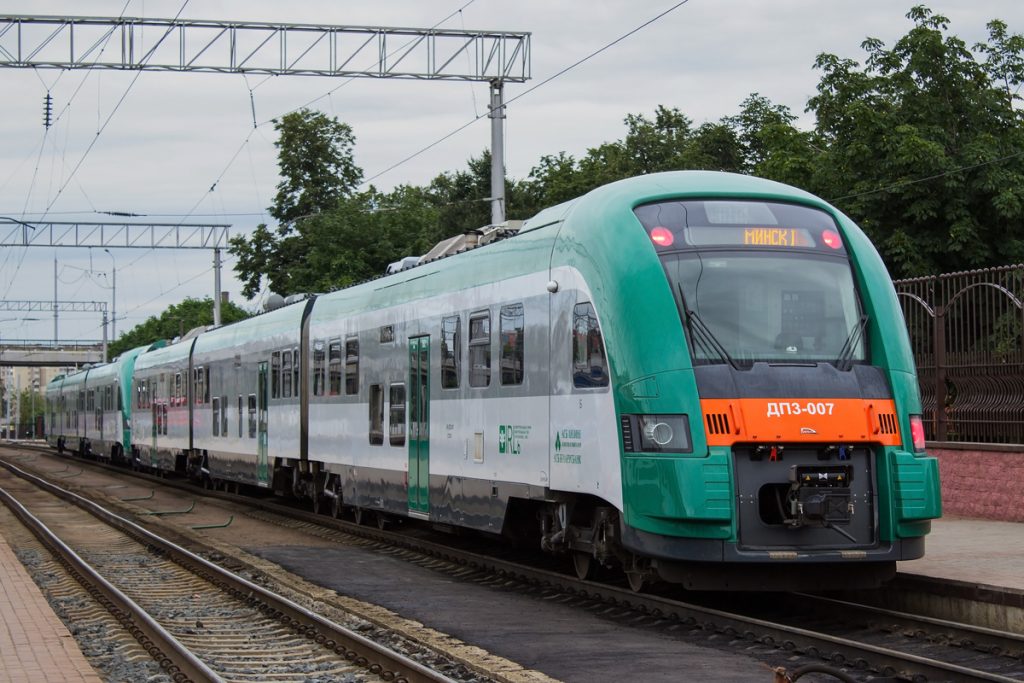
(319, 502)
(638, 574)
(583, 563)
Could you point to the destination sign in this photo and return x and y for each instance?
(750, 236)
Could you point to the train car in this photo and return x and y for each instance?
(161, 414)
(91, 409)
(697, 377)
(67, 430)
(247, 383)
(55, 412)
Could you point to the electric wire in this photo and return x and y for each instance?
(529, 90)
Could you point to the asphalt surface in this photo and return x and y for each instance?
(564, 642)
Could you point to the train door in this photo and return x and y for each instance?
(262, 468)
(419, 425)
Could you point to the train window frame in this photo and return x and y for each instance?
(224, 416)
(319, 367)
(451, 351)
(198, 385)
(296, 368)
(376, 418)
(477, 345)
(583, 376)
(241, 401)
(215, 416)
(509, 351)
(352, 366)
(286, 374)
(396, 414)
(335, 367)
(177, 388)
(275, 374)
(252, 415)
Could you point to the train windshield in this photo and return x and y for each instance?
(759, 281)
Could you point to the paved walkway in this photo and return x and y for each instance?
(973, 550)
(35, 646)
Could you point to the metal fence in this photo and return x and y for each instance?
(967, 334)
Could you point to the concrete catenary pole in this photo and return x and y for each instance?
(497, 117)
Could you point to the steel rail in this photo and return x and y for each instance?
(379, 660)
(840, 650)
(172, 656)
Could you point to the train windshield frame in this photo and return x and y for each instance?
(759, 281)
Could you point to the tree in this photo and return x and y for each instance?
(318, 171)
(924, 148)
(175, 321)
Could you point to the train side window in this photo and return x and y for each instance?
(319, 367)
(376, 414)
(396, 415)
(480, 349)
(119, 399)
(512, 342)
(275, 374)
(198, 389)
(163, 410)
(206, 385)
(224, 416)
(451, 351)
(334, 366)
(216, 416)
(589, 362)
(241, 407)
(177, 388)
(295, 373)
(286, 374)
(351, 366)
(252, 416)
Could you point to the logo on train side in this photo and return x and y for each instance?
(510, 438)
(568, 443)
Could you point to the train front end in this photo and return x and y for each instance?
(772, 434)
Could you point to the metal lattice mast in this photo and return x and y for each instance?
(247, 47)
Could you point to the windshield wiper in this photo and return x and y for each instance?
(707, 341)
(845, 360)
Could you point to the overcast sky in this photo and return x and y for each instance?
(175, 135)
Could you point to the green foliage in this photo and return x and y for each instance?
(175, 321)
(926, 109)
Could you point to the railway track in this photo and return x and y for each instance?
(852, 640)
(198, 621)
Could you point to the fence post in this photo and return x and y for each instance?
(941, 433)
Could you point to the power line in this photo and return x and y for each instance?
(528, 90)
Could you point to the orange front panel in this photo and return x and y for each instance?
(803, 420)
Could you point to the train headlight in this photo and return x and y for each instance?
(664, 433)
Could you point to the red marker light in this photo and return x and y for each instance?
(917, 432)
(831, 238)
(662, 237)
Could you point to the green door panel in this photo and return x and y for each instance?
(419, 425)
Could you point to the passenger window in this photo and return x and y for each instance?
(296, 390)
(451, 351)
(216, 417)
(512, 344)
(240, 408)
(252, 416)
(589, 363)
(480, 350)
(177, 388)
(319, 367)
(286, 374)
(396, 415)
(275, 374)
(334, 366)
(206, 385)
(351, 366)
(197, 386)
(224, 416)
(376, 415)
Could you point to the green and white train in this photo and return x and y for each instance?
(694, 376)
